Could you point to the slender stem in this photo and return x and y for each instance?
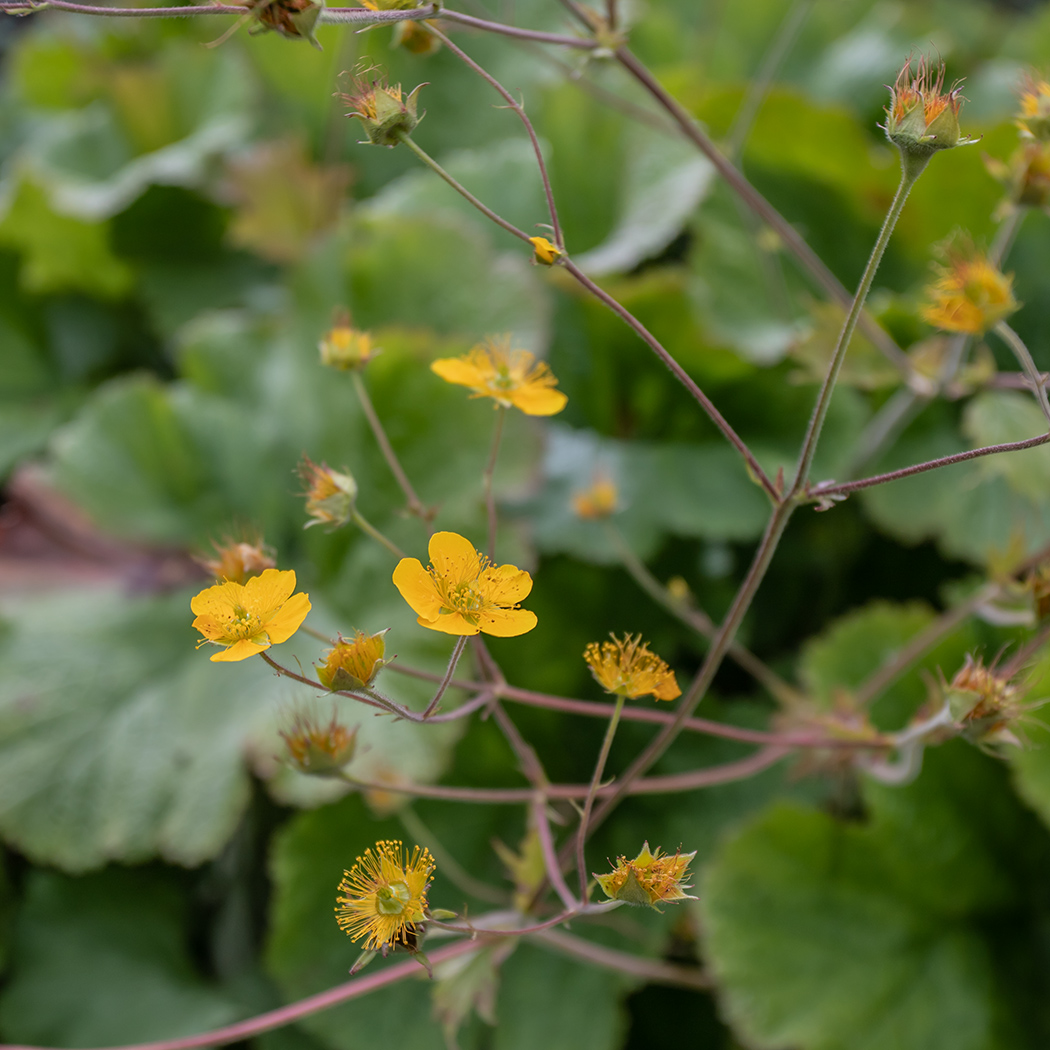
(457, 652)
(366, 527)
(884, 426)
(920, 468)
(450, 867)
(788, 235)
(596, 779)
(313, 1004)
(875, 684)
(513, 103)
(649, 970)
(777, 523)
(759, 84)
(1024, 358)
(124, 12)
(909, 175)
(462, 190)
(698, 619)
(550, 854)
(680, 374)
(415, 505)
(1025, 652)
(672, 783)
(372, 700)
(490, 471)
(530, 763)
(1004, 236)
(596, 709)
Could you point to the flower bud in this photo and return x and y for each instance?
(346, 348)
(353, 664)
(330, 495)
(922, 118)
(650, 879)
(315, 749)
(545, 253)
(985, 705)
(597, 501)
(385, 115)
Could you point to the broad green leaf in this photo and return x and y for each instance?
(825, 935)
(701, 491)
(60, 252)
(664, 181)
(1001, 416)
(127, 743)
(550, 1001)
(103, 960)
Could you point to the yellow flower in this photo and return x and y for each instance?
(315, 749)
(346, 348)
(247, 618)
(385, 897)
(1034, 118)
(353, 665)
(462, 593)
(238, 561)
(649, 879)
(509, 377)
(546, 253)
(627, 668)
(330, 495)
(970, 294)
(597, 501)
(389, 5)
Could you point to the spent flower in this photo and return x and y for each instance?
(626, 667)
(384, 113)
(295, 19)
(462, 592)
(238, 560)
(544, 251)
(986, 705)
(650, 879)
(330, 494)
(384, 896)
(510, 377)
(246, 618)
(353, 664)
(970, 293)
(315, 748)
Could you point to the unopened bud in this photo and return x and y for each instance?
(315, 749)
(922, 117)
(330, 494)
(346, 348)
(238, 561)
(353, 664)
(383, 113)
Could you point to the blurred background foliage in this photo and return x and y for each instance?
(177, 225)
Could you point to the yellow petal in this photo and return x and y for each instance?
(507, 623)
(667, 689)
(450, 623)
(453, 557)
(417, 588)
(505, 584)
(210, 627)
(288, 619)
(238, 651)
(456, 370)
(219, 600)
(263, 594)
(538, 400)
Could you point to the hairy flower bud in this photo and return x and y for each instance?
(346, 348)
(315, 749)
(330, 495)
(353, 664)
(922, 117)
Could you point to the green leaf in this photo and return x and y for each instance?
(1000, 416)
(699, 490)
(119, 741)
(60, 252)
(550, 1001)
(665, 180)
(828, 936)
(103, 960)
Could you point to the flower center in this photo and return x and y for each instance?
(391, 900)
(243, 624)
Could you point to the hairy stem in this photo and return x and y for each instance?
(1024, 358)
(592, 790)
(457, 652)
(415, 505)
(370, 530)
